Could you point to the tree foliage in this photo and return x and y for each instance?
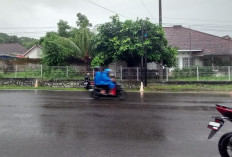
(118, 40)
(57, 49)
(69, 42)
(82, 21)
(83, 38)
(24, 41)
(63, 28)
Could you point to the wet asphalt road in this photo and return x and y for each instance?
(71, 124)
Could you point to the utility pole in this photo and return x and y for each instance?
(160, 24)
(145, 56)
(141, 74)
(160, 13)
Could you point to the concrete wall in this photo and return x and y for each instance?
(41, 83)
(57, 84)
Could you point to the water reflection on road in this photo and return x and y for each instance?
(69, 123)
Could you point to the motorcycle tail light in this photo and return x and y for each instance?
(217, 120)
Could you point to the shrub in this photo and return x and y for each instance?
(192, 72)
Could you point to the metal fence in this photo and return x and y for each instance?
(44, 72)
(223, 73)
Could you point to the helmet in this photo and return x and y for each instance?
(107, 70)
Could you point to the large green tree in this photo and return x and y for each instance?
(69, 42)
(57, 49)
(117, 40)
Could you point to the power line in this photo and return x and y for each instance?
(146, 9)
(27, 27)
(198, 25)
(198, 19)
(27, 32)
(100, 6)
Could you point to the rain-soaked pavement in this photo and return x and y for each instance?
(71, 124)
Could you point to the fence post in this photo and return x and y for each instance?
(229, 72)
(115, 70)
(167, 74)
(121, 71)
(16, 70)
(67, 71)
(197, 74)
(137, 73)
(41, 71)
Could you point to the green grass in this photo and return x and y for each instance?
(189, 87)
(202, 78)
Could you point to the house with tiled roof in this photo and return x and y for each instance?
(198, 48)
(35, 52)
(11, 50)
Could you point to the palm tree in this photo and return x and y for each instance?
(83, 38)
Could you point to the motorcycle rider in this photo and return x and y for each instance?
(106, 80)
(87, 78)
(103, 81)
(87, 81)
(97, 76)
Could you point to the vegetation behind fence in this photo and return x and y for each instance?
(122, 73)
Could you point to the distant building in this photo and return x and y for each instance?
(11, 50)
(198, 48)
(35, 52)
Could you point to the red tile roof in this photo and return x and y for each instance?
(13, 48)
(188, 39)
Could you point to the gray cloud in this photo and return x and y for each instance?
(46, 13)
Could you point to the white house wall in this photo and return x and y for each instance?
(182, 55)
(198, 61)
(35, 53)
(152, 66)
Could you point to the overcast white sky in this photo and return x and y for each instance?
(33, 18)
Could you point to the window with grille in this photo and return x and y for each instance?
(191, 62)
(188, 62)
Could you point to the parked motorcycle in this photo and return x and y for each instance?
(87, 85)
(225, 142)
(117, 92)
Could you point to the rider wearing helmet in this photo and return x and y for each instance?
(97, 76)
(102, 80)
(87, 78)
(106, 80)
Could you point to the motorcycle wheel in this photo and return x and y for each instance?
(87, 87)
(121, 95)
(225, 145)
(95, 94)
(82, 84)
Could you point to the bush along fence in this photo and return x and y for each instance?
(44, 72)
(222, 73)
